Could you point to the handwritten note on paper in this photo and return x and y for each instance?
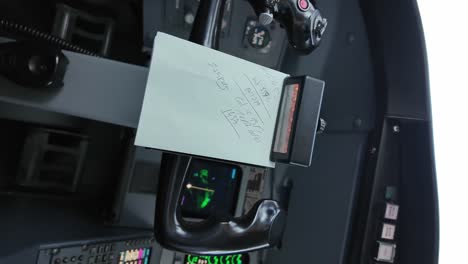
(203, 102)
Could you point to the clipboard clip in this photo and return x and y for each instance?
(298, 121)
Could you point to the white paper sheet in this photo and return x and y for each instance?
(203, 102)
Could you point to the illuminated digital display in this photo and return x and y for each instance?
(135, 256)
(210, 188)
(286, 118)
(228, 259)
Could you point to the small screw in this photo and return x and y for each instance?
(396, 129)
(373, 150)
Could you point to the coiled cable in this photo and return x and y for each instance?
(12, 27)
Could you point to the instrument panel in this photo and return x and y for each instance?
(133, 251)
(241, 36)
(210, 188)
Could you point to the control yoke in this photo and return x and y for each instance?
(263, 225)
(303, 22)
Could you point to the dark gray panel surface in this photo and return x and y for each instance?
(419, 221)
(405, 59)
(27, 222)
(95, 88)
(136, 201)
(343, 61)
(320, 208)
(26, 114)
(28, 255)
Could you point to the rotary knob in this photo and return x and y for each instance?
(265, 18)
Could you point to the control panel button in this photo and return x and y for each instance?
(385, 252)
(391, 211)
(73, 259)
(65, 260)
(93, 250)
(388, 231)
(189, 18)
(259, 37)
(303, 4)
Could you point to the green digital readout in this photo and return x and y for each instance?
(210, 188)
(228, 259)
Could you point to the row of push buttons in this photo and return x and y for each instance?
(99, 249)
(141, 261)
(135, 256)
(386, 244)
(68, 260)
(140, 242)
(100, 254)
(101, 259)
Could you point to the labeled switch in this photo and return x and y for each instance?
(388, 231)
(385, 252)
(391, 211)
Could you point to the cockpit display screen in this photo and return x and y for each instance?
(210, 188)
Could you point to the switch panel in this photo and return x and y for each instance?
(241, 35)
(135, 251)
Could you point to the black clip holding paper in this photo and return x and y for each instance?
(297, 121)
